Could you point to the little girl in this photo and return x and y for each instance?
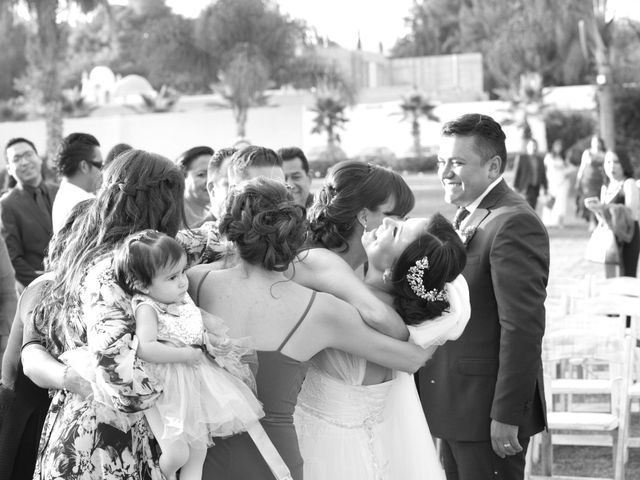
(200, 399)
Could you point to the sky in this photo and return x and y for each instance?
(375, 20)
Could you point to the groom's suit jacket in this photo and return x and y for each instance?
(494, 370)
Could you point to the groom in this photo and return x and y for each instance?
(482, 394)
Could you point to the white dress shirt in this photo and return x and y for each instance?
(69, 195)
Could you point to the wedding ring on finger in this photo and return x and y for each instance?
(506, 445)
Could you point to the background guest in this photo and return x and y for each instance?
(559, 173)
(619, 189)
(218, 180)
(194, 163)
(8, 299)
(26, 210)
(296, 174)
(590, 177)
(116, 150)
(530, 175)
(79, 163)
(253, 161)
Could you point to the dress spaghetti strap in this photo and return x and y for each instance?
(295, 327)
(199, 287)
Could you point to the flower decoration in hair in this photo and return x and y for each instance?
(414, 277)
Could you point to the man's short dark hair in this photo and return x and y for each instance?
(75, 148)
(253, 156)
(185, 159)
(289, 153)
(116, 150)
(488, 135)
(15, 140)
(216, 160)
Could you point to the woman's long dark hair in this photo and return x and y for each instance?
(141, 190)
(447, 257)
(350, 187)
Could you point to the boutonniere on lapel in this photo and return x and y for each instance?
(466, 234)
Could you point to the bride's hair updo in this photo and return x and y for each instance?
(446, 258)
(264, 223)
(350, 187)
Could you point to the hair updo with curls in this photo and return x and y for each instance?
(447, 258)
(264, 223)
(350, 187)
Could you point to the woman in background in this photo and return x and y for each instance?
(194, 163)
(559, 173)
(590, 177)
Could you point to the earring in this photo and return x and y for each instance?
(386, 276)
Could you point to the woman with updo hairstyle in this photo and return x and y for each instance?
(85, 307)
(267, 228)
(288, 322)
(354, 198)
(445, 258)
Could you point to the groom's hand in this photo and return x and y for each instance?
(504, 439)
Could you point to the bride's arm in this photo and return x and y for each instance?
(324, 271)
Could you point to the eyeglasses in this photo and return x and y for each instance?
(98, 165)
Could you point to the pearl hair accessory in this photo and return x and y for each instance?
(414, 277)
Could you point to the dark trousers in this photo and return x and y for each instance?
(531, 195)
(478, 461)
(630, 253)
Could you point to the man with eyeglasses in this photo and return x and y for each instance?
(79, 163)
(26, 210)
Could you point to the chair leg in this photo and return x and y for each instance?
(546, 454)
(618, 464)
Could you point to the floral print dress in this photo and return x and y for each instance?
(86, 439)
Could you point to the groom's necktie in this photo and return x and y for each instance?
(461, 214)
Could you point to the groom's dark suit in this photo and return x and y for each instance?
(494, 371)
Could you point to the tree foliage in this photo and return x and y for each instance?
(13, 38)
(514, 36)
(415, 106)
(226, 24)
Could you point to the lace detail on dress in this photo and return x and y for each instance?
(347, 406)
(181, 321)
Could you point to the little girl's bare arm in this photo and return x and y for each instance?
(151, 350)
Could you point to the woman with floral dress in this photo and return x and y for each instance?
(82, 436)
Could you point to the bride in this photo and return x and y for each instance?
(366, 418)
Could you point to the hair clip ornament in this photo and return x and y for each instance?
(414, 277)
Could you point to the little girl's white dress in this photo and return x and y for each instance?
(348, 430)
(204, 400)
(198, 402)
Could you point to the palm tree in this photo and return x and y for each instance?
(242, 84)
(596, 35)
(329, 117)
(333, 94)
(46, 58)
(416, 105)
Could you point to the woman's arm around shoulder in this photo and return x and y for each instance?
(337, 324)
(323, 270)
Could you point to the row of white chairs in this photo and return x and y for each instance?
(591, 372)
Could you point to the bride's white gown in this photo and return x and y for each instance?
(352, 431)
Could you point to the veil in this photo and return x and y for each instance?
(451, 324)
(413, 449)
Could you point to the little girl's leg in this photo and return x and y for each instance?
(174, 453)
(192, 470)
